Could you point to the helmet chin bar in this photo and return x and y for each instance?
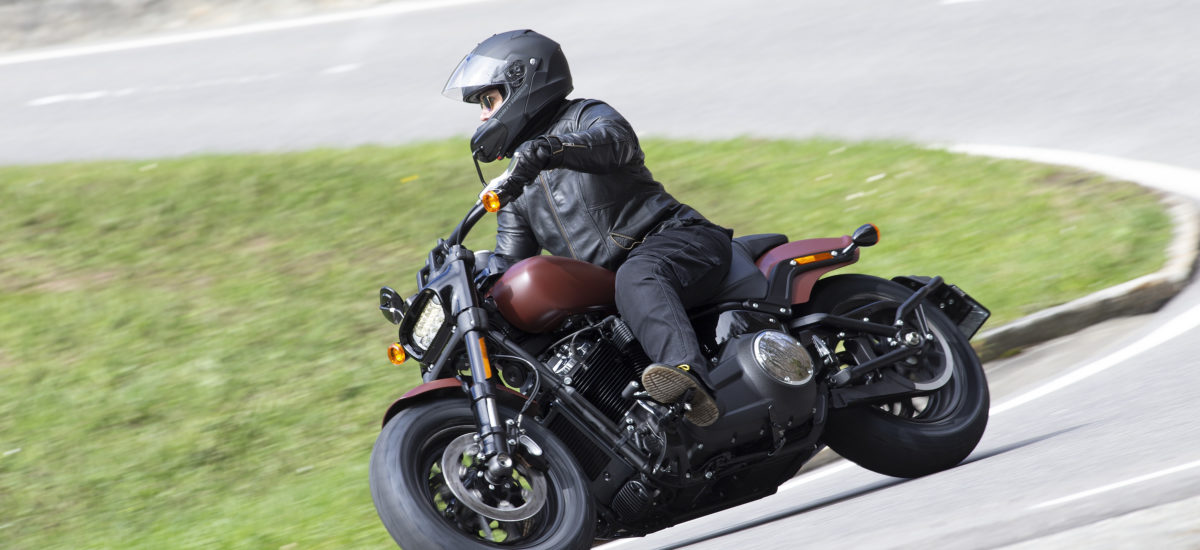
(493, 140)
(490, 141)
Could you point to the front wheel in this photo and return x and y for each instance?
(425, 507)
(915, 436)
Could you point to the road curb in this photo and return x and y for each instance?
(1141, 295)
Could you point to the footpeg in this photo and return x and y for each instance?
(631, 392)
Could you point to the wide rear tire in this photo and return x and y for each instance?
(420, 512)
(916, 436)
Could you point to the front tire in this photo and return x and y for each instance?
(915, 436)
(418, 509)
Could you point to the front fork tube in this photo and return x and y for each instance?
(493, 441)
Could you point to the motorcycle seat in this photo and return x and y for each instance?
(744, 280)
(757, 245)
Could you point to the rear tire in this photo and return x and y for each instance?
(420, 512)
(916, 436)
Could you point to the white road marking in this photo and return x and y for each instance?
(215, 82)
(820, 473)
(60, 98)
(339, 69)
(1181, 181)
(1173, 329)
(1117, 485)
(387, 9)
(122, 92)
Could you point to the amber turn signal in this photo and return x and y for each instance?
(813, 258)
(396, 354)
(491, 202)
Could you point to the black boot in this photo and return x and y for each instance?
(668, 385)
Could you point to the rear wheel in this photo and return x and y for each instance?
(914, 436)
(431, 493)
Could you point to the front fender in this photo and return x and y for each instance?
(448, 388)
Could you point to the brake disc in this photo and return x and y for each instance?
(516, 499)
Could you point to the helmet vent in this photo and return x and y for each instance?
(515, 73)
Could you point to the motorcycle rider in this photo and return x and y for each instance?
(588, 195)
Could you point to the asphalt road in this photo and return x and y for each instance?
(1109, 458)
(1115, 78)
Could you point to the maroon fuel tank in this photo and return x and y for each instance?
(537, 294)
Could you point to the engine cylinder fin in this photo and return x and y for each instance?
(603, 378)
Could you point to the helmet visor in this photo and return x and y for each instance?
(474, 74)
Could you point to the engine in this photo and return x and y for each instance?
(599, 363)
(764, 384)
(762, 375)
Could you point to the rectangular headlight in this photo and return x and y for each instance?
(430, 321)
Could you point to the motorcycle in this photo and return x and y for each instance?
(531, 429)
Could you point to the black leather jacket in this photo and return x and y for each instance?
(599, 204)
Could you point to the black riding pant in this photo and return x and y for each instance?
(669, 272)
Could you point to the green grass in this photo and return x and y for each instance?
(190, 354)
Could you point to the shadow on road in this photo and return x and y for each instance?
(787, 512)
(857, 492)
(1019, 444)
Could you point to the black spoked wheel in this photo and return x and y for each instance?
(431, 492)
(919, 435)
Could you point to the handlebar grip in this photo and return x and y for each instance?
(495, 199)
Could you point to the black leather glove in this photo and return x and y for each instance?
(533, 156)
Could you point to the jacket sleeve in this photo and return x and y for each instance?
(604, 143)
(514, 238)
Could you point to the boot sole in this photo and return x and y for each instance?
(666, 385)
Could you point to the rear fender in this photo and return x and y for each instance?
(960, 307)
(448, 388)
(791, 281)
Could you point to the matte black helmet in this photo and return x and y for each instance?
(531, 73)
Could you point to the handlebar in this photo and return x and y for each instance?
(476, 213)
(490, 201)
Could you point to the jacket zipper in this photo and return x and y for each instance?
(554, 210)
